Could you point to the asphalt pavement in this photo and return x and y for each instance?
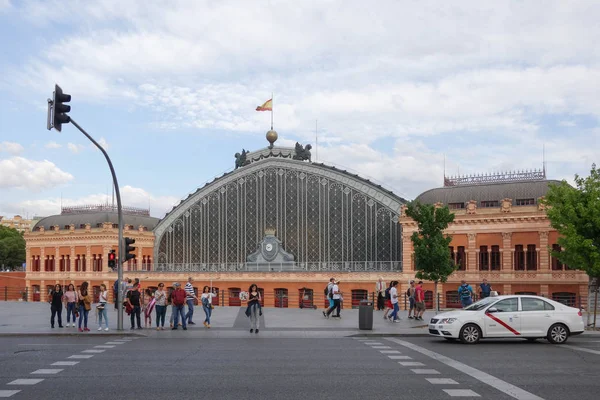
(254, 366)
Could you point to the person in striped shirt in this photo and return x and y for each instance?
(190, 297)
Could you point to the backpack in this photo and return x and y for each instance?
(331, 293)
(465, 293)
(408, 292)
(387, 294)
(326, 292)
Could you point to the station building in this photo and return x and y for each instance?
(289, 224)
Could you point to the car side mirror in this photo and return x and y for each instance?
(492, 310)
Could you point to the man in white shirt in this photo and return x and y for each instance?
(394, 298)
(337, 295)
(190, 297)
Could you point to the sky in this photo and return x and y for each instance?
(400, 90)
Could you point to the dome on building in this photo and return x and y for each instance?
(95, 216)
(521, 187)
(319, 214)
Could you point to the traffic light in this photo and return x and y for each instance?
(112, 260)
(60, 109)
(129, 249)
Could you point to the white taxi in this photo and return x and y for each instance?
(518, 316)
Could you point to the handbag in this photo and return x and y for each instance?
(101, 306)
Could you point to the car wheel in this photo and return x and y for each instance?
(558, 334)
(470, 334)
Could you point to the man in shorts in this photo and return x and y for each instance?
(419, 302)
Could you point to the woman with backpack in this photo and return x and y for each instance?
(85, 305)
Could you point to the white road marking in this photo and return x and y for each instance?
(65, 363)
(411, 364)
(8, 393)
(93, 351)
(381, 347)
(494, 382)
(115, 343)
(46, 371)
(25, 382)
(373, 343)
(81, 356)
(566, 346)
(103, 346)
(425, 371)
(389, 352)
(400, 357)
(461, 393)
(441, 381)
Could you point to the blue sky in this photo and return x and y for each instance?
(396, 87)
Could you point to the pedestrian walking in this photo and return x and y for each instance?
(419, 302)
(71, 299)
(485, 289)
(55, 298)
(207, 296)
(190, 298)
(337, 298)
(133, 298)
(178, 298)
(410, 293)
(465, 293)
(161, 306)
(394, 300)
(387, 302)
(102, 308)
(380, 293)
(85, 305)
(329, 295)
(254, 309)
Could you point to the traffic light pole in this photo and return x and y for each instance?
(120, 214)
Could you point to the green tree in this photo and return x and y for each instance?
(432, 257)
(12, 248)
(575, 213)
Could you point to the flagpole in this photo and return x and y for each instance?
(316, 140)
(272, 107)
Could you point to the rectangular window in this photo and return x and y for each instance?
(531, 257)
(556, 265)
(525, 202)
(68, 263)
(519, 258)
(456, 206)
(484, 260)
(495, 258)
(490, 204)
(461, 259)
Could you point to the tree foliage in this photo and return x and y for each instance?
(432, 257)
(12, 247)
(575, 213)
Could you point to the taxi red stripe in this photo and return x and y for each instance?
(504, 324)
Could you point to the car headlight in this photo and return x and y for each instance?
(447, 320)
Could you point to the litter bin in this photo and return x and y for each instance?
(365, 315)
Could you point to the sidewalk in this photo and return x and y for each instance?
(29, 318)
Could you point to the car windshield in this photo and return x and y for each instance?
(480, 304)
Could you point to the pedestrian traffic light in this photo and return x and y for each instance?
(60, 109)
(129, 249)
(112, 260)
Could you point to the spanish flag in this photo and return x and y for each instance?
(268, 106)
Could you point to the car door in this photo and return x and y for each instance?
(502, 319)
(536, 316)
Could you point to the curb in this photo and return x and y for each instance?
(78, 334)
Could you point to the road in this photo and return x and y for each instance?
(251, 366)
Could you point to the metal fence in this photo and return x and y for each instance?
(13, 293)
(345, 266)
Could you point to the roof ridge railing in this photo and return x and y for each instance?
(496, 177)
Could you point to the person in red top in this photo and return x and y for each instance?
(419, 302)
(178, 300)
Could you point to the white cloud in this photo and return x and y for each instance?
(75, 148)
(53, 145)
(133, 197)
(21, 173)
(11, 147)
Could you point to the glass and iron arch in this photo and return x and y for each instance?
(320, 214)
